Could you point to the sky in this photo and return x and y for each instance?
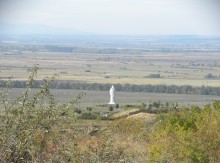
(123, 17)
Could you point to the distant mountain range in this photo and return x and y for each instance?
(36, 29)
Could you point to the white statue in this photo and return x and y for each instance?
(112, 91)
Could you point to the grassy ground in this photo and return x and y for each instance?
(177, 69)
(94, 98)
(53, 133)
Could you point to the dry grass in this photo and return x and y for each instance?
(173, 68)
(143, 116)
(125, 137)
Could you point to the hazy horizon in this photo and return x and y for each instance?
(111, 17)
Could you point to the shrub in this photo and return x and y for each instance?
(187, 135)
(89, 115)
(29, 125)
(153, 76)
(110, 108)
(143, 105)
(210, 76)
(156, 104)
(78, 111)
(89, 108)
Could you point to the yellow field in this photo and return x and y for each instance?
(176, 69)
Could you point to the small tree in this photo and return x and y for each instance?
(89, 108)
(167, 104)
(150, 106)
(143, 105)
(110, 108)
(156, 104)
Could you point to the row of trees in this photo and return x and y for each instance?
(185, 89)
(96, 50)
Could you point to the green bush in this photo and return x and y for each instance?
(110, 108)
(187, 135)
(29, 125)
(89, 108)
(153, 76)
(89, 115)
(210, 76)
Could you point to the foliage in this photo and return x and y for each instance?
(210, 76)
(156, 104)
(130, 106)
(110, 108)
(116, 106)
(34, 128)
(88, 115)
(58, 84)
(143, 105)
(128, 126)
(62, 84)
(29, 125)
(153, 76)
(89, 108)
(187, 135)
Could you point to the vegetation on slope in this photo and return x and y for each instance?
(29, 126)
(37, 129)
(190, 135)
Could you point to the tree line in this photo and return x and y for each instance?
(62, 84)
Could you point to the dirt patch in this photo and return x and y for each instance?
(144, 116)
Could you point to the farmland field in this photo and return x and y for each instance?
(152, 60)
(174, 69)
(167, 60)
(94, 98)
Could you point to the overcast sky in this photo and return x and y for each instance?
(134, 17)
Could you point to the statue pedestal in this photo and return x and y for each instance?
(111, 103)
